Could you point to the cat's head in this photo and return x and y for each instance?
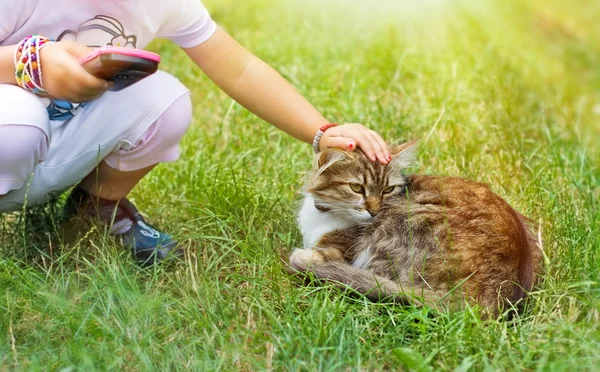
(354, 188)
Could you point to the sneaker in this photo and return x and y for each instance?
(147, 244)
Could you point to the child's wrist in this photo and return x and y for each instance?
(317, 139)
(28, 66)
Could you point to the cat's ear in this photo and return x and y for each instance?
(328, 157)
(404, 155)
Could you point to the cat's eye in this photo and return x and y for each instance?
(357, 188)
(389, 189)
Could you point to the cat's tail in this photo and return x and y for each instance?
(374, 287)
(529, 258)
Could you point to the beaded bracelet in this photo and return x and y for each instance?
(319, 135)
(28, 67)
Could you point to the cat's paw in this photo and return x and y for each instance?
(302, 258)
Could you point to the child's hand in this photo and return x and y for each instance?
(349, 136)
(64, 77)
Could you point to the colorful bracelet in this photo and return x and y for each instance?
(28, 67)
(319, 135)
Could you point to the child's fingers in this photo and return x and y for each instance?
(86, 87)
(378, 148)
(367, 144)
(81, 77)
(92, 83)
(383, 144)
(351, 136)
(338, 142)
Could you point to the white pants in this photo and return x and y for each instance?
(112, 123)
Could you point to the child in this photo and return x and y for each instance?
(70, 129)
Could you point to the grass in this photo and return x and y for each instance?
(505, 92)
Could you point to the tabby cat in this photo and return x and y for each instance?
(440, 241)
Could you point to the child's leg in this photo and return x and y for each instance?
(24, 140)
(110, 143)
(22, 147)
(121, 170)
(117, 123)
(102, 193)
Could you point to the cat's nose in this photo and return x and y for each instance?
(373, 206)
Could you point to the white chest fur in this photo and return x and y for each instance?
(315, 223)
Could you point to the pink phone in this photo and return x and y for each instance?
(122, 66)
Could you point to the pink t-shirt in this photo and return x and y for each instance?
(127, 23)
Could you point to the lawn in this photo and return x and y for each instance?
(505, 92)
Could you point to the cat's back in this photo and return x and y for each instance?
(449, 191)
(489, 238)
(462, 202)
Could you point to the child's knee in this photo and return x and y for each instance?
(22, 148)
(169, 129)
(19, 107)
(175, 121)
(160, 143)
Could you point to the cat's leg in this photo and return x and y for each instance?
(333, 246)
(329, 261)
(330, 265)
(301, 258)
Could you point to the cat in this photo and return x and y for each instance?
(415, 239)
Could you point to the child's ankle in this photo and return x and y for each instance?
(106, 211)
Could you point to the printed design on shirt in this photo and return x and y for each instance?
(96, 32)
(101, 31)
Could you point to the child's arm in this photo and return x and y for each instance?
(63, 76)
(7, 65)
(260, 89)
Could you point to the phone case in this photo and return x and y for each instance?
(122, 66)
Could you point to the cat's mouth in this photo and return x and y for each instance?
(354, 213)
(362, 215)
